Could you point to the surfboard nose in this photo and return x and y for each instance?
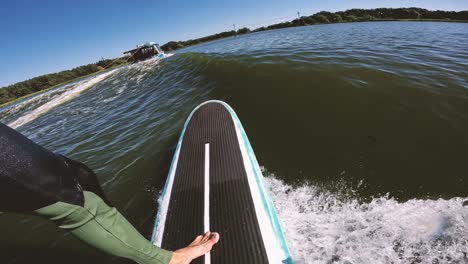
(209, 121)
(212, 186)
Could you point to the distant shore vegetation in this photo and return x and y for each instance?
(19, 90)
(324, 17)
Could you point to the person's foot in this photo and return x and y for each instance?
(200, 246)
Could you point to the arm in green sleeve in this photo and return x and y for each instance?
(103, 227)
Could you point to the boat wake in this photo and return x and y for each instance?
(323, 227)
(66, 96)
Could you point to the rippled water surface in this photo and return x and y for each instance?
(361, 128)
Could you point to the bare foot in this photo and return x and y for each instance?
(200, 246)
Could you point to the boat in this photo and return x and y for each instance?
(146, 51)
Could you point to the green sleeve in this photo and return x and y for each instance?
(103, 227)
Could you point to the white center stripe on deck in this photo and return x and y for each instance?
(207, 197)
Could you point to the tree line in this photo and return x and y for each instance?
(324, 17)
(36, 84)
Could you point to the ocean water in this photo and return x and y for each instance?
(361, 128)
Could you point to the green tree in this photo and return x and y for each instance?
(335, 18)
(310, 20)
(351, 18)
(321, 19)
(243, 30)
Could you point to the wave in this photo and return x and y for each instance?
(367, 109)
(61, 99)
(265, 71)
(325, 227)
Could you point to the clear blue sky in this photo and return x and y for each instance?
(45, 36)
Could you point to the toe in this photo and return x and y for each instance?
(197, 239)
(206, 237)
(214, 238)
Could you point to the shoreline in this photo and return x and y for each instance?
(340, 22)
(9, 103)
(408, 20)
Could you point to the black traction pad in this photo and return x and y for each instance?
(232, 211)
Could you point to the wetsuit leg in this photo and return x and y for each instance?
(33, 179)
(103, 227)
(86, 178)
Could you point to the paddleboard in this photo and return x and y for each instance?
(215, 184)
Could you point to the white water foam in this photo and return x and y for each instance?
(23, 104)
(323, 227)
(63, 98)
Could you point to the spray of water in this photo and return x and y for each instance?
(325, 227)
(61, 99)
